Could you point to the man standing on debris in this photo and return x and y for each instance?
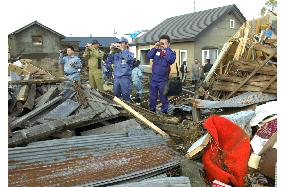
(122, 59)
(94, 57)
(196, 71)
(163, 57)
(72, 65)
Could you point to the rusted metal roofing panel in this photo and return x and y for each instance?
(93, 160)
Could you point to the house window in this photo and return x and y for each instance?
(211, 54)
(232, 24)
(182, 56)
(37, 40)
(143, 57)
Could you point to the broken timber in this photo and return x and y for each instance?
(50, 94)
(151, 115)
(51, 127)
(252, 74)
(36, 81)
(18, 122)
(31, 98)
(140, 117)
(23, 94)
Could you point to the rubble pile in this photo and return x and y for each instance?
(224, 133)
(247, 62)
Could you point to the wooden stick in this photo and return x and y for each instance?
(269, 83)
(219, 59)
(139, 116)
(36, 81)
(31, 98)
(251, 75)
(18, 122)
(23, 94)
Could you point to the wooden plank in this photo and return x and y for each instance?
(17, 70)
(140, 117)
(219, 59)
(51, 127)
(24, 91)
(195, 114)
(31, 98)
(36, 81)
(265, 49)
(251, 75)
(255, 64)
(229, 87)
(249, 83)
(231, 78)
(50, 94)
(247, 29)
(18, 122)
(269, 83)
(251, 69)
(64, 134)
(38, 72)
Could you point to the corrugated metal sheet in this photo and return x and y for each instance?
(242, 100)
(160, 182)
(121, 127)
(91, 160)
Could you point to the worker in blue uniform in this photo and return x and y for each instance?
(122, 59)
(72, 65)
(163, 57)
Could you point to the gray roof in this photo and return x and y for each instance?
(189, 26)
(104, 41)
(39, 24)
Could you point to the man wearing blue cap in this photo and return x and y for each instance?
(122, 59)
(163, 57)
(94, 57)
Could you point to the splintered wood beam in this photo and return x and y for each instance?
(251, 75)
(23, 94)
(140, 117)
(264, 49)
(219, 59)
(18, 122)
(247, 29)
(36, 81)
(31, 98)
(269, 83)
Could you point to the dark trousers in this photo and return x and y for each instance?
(155, 89)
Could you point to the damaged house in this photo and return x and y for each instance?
(34, 40)
(199, 35)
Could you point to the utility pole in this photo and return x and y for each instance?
(193, 5)
(114, 32)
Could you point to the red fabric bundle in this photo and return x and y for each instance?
(226, 157)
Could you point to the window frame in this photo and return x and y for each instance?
(232, 23)
(181, 60)
(139, 56)
(208, 55)
(34, 43)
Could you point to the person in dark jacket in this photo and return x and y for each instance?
(163, 57)
(183, 70)
(207, 67)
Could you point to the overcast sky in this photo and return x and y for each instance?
(99, 18)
